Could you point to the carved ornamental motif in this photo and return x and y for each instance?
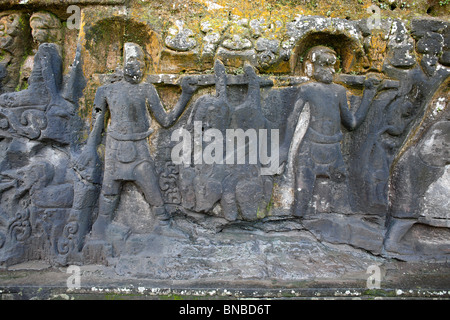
(174, 142)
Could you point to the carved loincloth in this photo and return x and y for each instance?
(322, 154)
(122, 156)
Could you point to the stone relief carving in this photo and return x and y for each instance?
(240, 188)
(319, 153)
(127, 154)
(341, 117)
(180, 38)
(13, 44)
(45, 28)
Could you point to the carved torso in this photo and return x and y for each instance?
(324, 100)
(127, 104)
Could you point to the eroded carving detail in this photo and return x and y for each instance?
(362, 116)
(127, 154)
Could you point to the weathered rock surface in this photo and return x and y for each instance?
(216, 140)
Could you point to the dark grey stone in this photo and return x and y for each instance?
(363, 159)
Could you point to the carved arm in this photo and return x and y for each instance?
(157, 109)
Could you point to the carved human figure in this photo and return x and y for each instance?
(9, 29)
(127, 152)
(245, 188)
(45, 68)
(45, 28)
(240, 188)
(213, 112)
(12, 47)
(319, 154)
(45, 110)
(40, 111)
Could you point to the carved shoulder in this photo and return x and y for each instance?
(100, 97)
(340, 90)
(304, 90)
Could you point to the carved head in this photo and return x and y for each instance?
(319, 64)
(134, 62)
(9, 29)
(45, 27)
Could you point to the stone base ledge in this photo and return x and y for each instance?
(151, 293)
(399, 280)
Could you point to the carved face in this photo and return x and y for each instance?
(9, 28)
(38, 31)
(45, 28)
(324, 66)
(134, 66)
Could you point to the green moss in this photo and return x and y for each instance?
(119, 296)
(379, 293)
(260, 213)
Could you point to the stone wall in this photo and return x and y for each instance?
(115, 118)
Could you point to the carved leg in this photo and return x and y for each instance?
(147, 180)
(228, 201)
(304, 186)
(106, 207)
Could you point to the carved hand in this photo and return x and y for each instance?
(87, 159)
(372, 83)
(189, 85)
(249, 71)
